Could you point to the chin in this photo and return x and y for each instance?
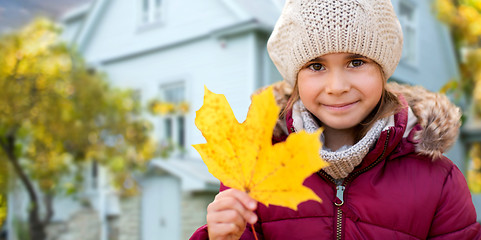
(340, 125)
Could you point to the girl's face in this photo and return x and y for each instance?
(340, 89)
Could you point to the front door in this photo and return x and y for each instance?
(161, 208)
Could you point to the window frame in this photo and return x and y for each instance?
(153, 14)
(177, 132)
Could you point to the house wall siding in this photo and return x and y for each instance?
(119, 33)
(222, 65)
(70, 29)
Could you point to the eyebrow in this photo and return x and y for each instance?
(354, 56)
(349, 57)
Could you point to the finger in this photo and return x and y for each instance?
(224, 231)
(242, 197)
(228, 217)
(248, 203)
(226, 224)
(230, 202)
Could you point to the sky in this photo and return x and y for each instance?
(16, 13)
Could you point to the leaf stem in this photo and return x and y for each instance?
(254, 231)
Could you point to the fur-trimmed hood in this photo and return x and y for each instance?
(437, 116)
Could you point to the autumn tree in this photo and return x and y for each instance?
(57, 114)
(3, 192)
(463, 17)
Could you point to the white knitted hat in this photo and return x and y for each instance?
(308, 29)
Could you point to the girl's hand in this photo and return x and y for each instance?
(229, 213)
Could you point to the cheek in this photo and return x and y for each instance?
(307, 92)
(378, 88)
(372, 89)
(308, 86)
(371, 84)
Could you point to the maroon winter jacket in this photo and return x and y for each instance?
(403, 189)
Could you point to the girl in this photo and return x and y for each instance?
(387, 177)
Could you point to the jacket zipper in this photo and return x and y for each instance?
(339, 224)
(340, 196)
(340, 188)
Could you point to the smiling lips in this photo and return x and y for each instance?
(340, 107)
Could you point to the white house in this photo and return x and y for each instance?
(171, 49)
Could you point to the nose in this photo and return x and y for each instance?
(337, 83)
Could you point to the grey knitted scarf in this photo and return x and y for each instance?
(345, 159)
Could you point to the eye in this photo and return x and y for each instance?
(316, 67)
(356, 63)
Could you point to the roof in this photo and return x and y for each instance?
(75, 13)
(265, 12)
(193, 173)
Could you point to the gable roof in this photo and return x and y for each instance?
(193, 174)
(76, 13)
(91, 13)
(265, 12)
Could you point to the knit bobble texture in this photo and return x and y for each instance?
(308, 29)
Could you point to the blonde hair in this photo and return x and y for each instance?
(388, 105)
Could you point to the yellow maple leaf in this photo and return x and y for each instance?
(242, 155)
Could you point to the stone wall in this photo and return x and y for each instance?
(83, 225)
(194, 211)
(128, 223)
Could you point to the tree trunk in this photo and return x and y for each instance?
(36, 226)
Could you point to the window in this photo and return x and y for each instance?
(151, 11)
(174, 93)
(95, 175)
(90, 176)
(173, 123)
(407, 17)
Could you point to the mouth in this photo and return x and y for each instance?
(341, 106)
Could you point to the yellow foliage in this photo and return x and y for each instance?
(446, 10)
(61, 113)
(166, 107)
(464, 20)
(474, 172)
(469, 13)
(471, 18)
(477, 92)
(183, 107)
(163, 107)
(3, 210)
(242, 155)
(463, 16)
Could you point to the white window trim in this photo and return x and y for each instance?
(175, 126)
(175, 137)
